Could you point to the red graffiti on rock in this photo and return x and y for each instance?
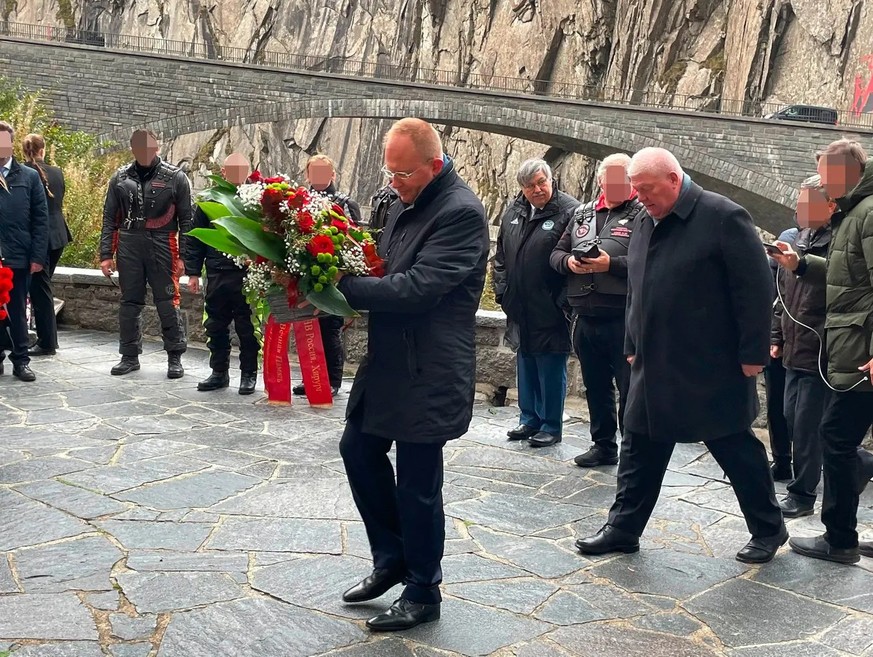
(863, 98)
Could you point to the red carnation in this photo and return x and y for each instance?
(341, 226)
(321, 244)
(255, 177)
(298, 198)
(305, 222)
(270, 202)
(3, 314)
(273, 180)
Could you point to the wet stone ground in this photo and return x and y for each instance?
(141, 518)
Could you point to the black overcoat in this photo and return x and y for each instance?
(699, 307)
(418, 379)
(59, 232)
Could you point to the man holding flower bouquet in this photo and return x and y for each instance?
(414, 389)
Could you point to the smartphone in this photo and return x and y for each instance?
(772, 249)
(592, 252)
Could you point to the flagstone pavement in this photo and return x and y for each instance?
(141, 518)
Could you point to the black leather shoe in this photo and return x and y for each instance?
(23, 373)
(865, 469)
(377, 584)
(781, 472)
(126, 365)
(299, 389)
(792, 508)
(543, 439)
(404, 615)
(334, 391)
(763, 549)
(609, 539)
(819, 548)
(247, 382)
(215, 381)
(865, 548)
(596, 456)
(41, 351)
(174, 365)
(521, 432)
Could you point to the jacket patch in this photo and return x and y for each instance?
(583, 230)
(620, 232)
(548, 225)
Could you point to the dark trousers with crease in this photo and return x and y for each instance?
(405, 520)
(599, 345)
(777, 426)
(225, 304)
(743, 458)
(846, 421)
(13, 331)
(42, 303)
(334, 352)
(805, 398)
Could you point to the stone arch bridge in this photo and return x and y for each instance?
(109, 91)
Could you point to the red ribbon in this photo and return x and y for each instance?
(277, 370)
(313, 366)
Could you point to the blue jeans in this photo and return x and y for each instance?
(542, 386)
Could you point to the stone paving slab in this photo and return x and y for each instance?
(133, 504)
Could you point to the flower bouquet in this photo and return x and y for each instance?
(5, 289)
(296, 242)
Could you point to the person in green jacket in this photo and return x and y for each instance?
(848, 272)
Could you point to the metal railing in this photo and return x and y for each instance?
(390, 71)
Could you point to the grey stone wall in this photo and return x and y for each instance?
(758, 163)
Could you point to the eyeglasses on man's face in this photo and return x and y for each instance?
(541, 183)
(403, 175)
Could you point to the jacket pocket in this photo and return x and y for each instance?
(848, 341)
(411, 353)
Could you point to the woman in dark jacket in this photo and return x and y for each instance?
(41, 298)
(533, 297)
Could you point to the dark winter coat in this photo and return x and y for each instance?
(197, 253)
(59, 232)
(531, 293)
(699, 305)
(807, 302)
(24, 222)
(417, 381)
(848, 272)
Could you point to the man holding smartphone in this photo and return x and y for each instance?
(593, 254)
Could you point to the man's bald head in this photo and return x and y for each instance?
(657, 176)
(236, 168)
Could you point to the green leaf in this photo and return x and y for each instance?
(219, 239)
(330, 300)
(213, 210)
(221, 183)
(228, 198)
(252, 235)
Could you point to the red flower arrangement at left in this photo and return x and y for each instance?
(5, 289)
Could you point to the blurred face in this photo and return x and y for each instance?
(657, 191)
(144, 148)
(615, 185)
(406, 169)
(236, 169)
(5, 146)
(839, 174)
(320, 175)
(538, 190)
(814, 210)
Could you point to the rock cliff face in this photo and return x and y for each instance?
(701, 51)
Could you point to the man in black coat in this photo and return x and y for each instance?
(597, 292)
(42, 301)
(23, 245)
(415, 386)
(532, 295)
(225, 301)
(698, 333)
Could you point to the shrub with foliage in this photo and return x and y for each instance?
(86, 174)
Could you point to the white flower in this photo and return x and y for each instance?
(250, 194)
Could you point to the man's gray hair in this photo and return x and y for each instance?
(654, 160)
(814, 182)
(615, 159)
(530, 168)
